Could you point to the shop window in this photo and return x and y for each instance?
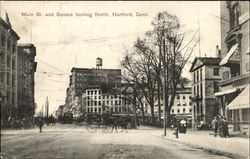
(245, 114)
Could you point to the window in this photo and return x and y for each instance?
(3, 40)
(190, 110)
(95, 92)
(184, 104)
(115, 102)
(178, 97)
(178, 110)
(183, 97)
(184, 110)
(216, 71)
(197, 73)
(8, 61)
(8, 44)
(99, 103)
(194, 77)
(172, 110)
(216, 87)
(201, 74)
(190, 103)
(234, 12)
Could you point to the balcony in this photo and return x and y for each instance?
(236, 81)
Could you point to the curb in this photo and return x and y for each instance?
(228, 154)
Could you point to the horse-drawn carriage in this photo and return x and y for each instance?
(108, 122)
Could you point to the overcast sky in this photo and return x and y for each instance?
(66, 42)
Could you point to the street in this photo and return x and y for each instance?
(74, 141)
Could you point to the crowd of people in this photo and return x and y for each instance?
(220, 126)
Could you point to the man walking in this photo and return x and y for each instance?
(215, 125)
(40, 124)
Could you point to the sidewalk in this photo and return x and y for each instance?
(234, 146)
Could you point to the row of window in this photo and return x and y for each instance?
(197, 76)
(96, 110)
(183, 111)
(99, 103)
(5, 40)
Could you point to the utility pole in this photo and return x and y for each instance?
(164, 89)
(134, 106)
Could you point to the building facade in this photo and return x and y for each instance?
(26, 80)
(94, 100)
(8, 70)
(182, 106)
(205, 82)
(82, 78)
(234, 66)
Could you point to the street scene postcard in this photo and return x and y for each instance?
(124, 79)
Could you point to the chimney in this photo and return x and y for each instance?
(217, 52)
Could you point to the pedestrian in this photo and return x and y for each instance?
(215, 125)
(40, 125)
(226, 133)
(183, 124)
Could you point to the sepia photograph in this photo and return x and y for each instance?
(124, 79)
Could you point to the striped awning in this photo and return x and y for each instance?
(241, 101)
(229, 54)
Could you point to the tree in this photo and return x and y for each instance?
(145, 62)
(177, 53)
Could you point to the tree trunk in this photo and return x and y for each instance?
(159, 103)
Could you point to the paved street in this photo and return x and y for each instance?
(73, 141)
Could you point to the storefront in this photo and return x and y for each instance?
(239, 112)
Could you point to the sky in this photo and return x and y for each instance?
(63, 42)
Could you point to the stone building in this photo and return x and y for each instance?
(8, 70)
(234, 66)
(26, 83)
(205, 82)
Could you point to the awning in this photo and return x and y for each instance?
(229, 54)
(228, 91)
(241, 101)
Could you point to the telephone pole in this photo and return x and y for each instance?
(164, 89)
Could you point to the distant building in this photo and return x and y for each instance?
(94, 100)
(26, 80)
(8, 70)
(59, 111)
(234, 66)
(82, 78)
(183, 104)
(182, 107)
(205, 82)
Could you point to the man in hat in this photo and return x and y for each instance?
(215, 125)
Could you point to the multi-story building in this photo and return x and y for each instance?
(8, 70)
(82, 78)
(26, 84)
(205, 82)
(94, 100)
(234, 66)
(182, 106)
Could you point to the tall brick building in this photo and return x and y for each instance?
(8, 70)
(26, 83)
(234, 66)
(81, 78)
